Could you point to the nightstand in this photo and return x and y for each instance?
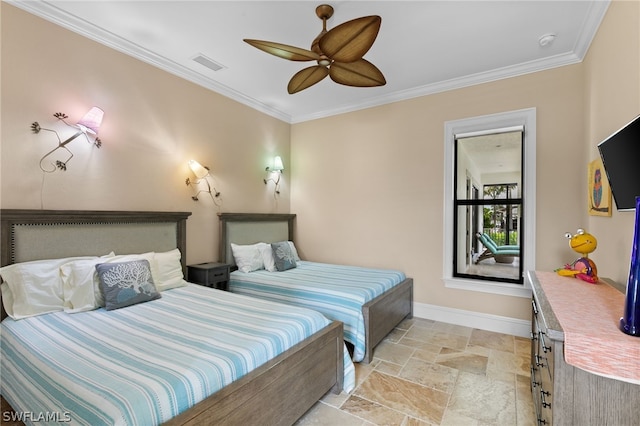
(212, 274)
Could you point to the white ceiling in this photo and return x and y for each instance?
(494, 153)
(423, 47)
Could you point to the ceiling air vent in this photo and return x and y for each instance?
(209, 63)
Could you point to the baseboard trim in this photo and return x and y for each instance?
(499, 324)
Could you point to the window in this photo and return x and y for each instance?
(485, 235)
(489, 202)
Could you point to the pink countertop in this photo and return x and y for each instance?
(589, 315)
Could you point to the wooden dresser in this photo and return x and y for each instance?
(567, 395)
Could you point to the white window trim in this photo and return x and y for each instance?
(523, 117)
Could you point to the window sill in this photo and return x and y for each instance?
(505, 289)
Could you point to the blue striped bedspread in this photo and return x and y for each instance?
(337, 291)
(144, 364)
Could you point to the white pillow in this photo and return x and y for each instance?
(294, 251)
(248, 257)
(166, 270)
(7, 299)
(35, 287)
(267, 256)
(80, 284)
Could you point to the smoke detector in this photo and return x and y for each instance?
(546, 39)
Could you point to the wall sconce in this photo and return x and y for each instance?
(277, 168)
(89, 124)
(202, 174)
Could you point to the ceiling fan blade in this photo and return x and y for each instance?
(349, 41)
(360, 73)
(291, 53)
(306, 78)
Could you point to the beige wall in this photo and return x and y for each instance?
(612, 86)
(367, 186)
(154, 123)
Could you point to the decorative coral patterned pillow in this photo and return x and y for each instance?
(126, 283)
(283, 256)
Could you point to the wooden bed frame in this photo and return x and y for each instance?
(381, 315)
(278, 392)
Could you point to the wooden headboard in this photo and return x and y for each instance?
(27, 235)
(251, 228)
(48, 234)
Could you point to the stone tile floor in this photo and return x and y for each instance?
(432, 373)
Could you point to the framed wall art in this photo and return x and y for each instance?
(599, 190)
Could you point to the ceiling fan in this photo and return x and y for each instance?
(338, 53)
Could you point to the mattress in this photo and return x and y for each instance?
(337, 291)
(146, 363)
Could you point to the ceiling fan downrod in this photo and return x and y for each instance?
(324, 12)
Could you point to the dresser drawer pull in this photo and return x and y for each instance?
(541, 421)
(545, 348)
(539, 363)
(545, 404)
(533, 377)
(534, 336)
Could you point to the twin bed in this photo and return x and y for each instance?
(369, 302)
(193, 356)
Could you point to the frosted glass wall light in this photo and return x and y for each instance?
(277, 169)
(202, 174)
(88, 125)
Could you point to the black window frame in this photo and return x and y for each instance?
(480, 203)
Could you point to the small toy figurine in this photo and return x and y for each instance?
(583, 268)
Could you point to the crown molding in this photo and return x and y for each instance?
(55, 15)
(447, 85)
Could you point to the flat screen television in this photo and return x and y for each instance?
(620, 155)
